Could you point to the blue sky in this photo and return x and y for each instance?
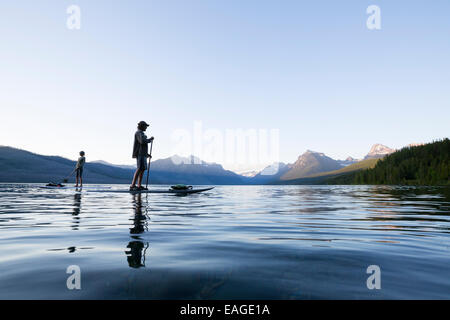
(311, 69)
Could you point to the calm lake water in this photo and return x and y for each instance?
(233, 242)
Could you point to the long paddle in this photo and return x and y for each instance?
(65, 180)
(149, 159)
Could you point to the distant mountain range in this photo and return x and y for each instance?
(22, 166)
(310, 163)
(271, 174)
(187, 170)
(347, 161)
(328, 177)
(248, 174)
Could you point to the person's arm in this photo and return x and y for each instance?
(142, 138)
(148, 140)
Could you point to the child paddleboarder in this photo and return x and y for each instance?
(140, 153)
(79, 169)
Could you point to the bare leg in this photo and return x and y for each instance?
(76, 185)
(81, 181)
(136, 174)
(141, 174)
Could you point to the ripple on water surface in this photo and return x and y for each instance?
(233, 242)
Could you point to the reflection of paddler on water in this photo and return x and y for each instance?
(76, 210)
(137, 248)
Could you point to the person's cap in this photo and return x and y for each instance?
(143, 123)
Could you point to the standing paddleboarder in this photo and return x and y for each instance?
(140, 153)
(79, 169)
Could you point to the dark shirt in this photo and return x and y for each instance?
(80, 163)
(140, 147)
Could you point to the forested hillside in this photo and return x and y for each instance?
(420, 165)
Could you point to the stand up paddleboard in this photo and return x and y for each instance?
(168, 191)
(71, 187)
(109, 190)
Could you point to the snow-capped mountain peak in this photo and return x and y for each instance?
(248, 174)
(379, 151)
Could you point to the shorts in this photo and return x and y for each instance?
(79, 172)
(141, 163)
